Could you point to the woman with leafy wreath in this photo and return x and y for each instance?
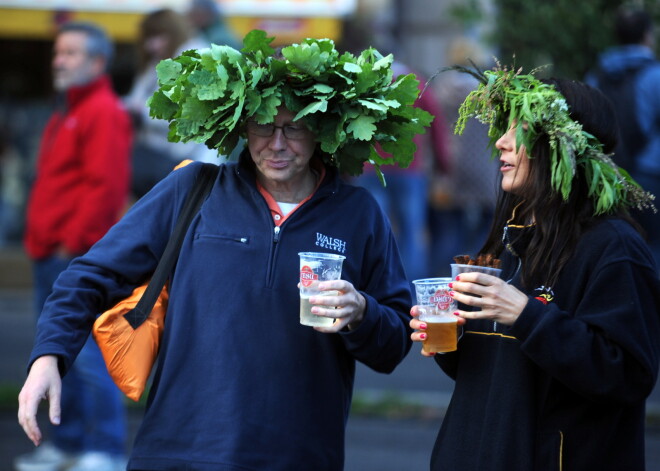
(559, 354)
(239, 384)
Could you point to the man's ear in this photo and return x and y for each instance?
(99, 64)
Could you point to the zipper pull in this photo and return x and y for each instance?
(276, 235)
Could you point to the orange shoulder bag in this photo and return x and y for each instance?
(129, 333)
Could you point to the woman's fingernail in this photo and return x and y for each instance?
(458, 277)
(451, 285)
(422, 336)
(456, 313)
(452, 294)
(422, 326)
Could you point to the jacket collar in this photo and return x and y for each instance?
(75, 95)
(516, 237)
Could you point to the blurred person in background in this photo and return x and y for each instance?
(462, 203)
(629, 74)
(207, 17)
(80, 191)
(13, 188)
(163, 34)
(4, 152)
(405, 199)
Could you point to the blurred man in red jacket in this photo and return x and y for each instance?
(80, 191)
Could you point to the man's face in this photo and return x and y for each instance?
(282, 161)
(72, 66)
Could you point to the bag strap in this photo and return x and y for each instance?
(196, 196)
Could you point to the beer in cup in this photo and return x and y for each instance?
(436, 308)
(316, 267)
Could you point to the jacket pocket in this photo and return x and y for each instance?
(223, 238)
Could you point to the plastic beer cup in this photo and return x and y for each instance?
(436, 308)
(316, 267)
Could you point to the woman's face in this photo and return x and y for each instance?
(156, 46)
(282, 160)
(515, 165)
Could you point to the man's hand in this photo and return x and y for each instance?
(347, 307)
(43, 382)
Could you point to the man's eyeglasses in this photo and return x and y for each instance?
(267, 130)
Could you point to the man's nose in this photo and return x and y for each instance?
(277, 140)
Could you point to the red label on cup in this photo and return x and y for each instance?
(441, 299)
(307, 276)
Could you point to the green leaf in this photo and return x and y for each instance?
(257, 41)
(372, 105)
(361, 151)
(161, 106)
(317, 106)
(385, 62)
(223, 54)
(196, 110)
(323, 88)
(207, 85)
(352, 68)
(362, 128)
(404, 90)
(365, 79)
(402, 149)
(333, 134)
(305, 58)
(268, 109)
(168, 71)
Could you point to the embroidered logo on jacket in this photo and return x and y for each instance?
(546, 295)
(331, 243)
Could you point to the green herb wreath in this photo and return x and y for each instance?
(349, 102)
(506, 97)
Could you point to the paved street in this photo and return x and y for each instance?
(394, 444)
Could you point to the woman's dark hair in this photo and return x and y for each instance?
(558, 224)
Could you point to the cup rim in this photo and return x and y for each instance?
(433, 281)
(321, 255)
(477, 268)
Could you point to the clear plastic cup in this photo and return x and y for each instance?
(316, 267)
(457, 269)
(436, 308)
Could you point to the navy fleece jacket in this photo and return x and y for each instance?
(240, 384)
(564, 387)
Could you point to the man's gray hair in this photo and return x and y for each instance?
(98, 42)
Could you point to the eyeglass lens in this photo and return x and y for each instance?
(267, 130)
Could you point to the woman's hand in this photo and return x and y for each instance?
(347, 307)
(497, 300)
(419, 327)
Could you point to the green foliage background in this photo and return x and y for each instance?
(567, 34)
